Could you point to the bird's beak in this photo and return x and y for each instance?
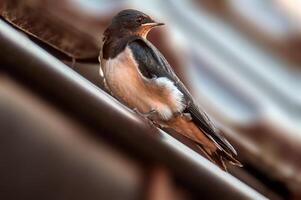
(152, 24)
(145, 28)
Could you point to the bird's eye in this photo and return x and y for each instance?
(139, 20)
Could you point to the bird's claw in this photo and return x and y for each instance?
(138, 112)
(150, 116)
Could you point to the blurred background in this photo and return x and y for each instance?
(241, 60)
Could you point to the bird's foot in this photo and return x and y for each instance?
(151, 116)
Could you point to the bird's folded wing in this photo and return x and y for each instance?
(153, 64)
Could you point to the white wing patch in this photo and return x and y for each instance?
(175, 94)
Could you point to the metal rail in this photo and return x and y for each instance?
(96, 109)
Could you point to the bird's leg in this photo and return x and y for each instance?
(151, 116)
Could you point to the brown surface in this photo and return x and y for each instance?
(37, 20)
(45, 155)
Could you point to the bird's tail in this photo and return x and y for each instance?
(219, 157)
(208, 147)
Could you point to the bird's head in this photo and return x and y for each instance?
(131, 22)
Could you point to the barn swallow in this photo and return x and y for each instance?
(138, 75)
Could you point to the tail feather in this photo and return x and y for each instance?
(214, 157)
(208, 146)
(230, 159)
(220, 158)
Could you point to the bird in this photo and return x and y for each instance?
(137, 74)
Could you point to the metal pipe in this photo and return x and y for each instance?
(100, 111)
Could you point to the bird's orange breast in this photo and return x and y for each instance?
(128, 85)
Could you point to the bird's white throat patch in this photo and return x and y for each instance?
(128, 84)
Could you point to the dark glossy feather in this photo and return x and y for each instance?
(153, 64)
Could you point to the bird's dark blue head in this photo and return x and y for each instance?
(131, 22)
